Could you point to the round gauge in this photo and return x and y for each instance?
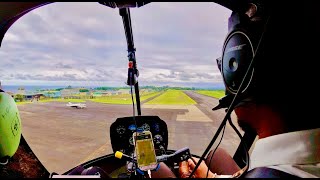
(131, 141)
(145, 127)
(157, 138)
(121, 129)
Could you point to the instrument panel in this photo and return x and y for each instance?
(122, 129)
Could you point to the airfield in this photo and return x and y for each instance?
(63, 137)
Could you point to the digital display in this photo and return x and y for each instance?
(145, 151)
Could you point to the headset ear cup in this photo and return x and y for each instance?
(237, 54)
(10, 125)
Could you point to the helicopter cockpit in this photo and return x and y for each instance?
(142, 135)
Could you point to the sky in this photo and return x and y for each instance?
(66, 43)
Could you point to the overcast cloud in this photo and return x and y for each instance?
(84, 44)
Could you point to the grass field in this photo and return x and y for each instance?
(146, 96)
(213, 93)
(63, 100)
(123, 98)
(114, 99)
(53, 100)
(24, 102)
(172, 97)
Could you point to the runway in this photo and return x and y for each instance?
(63, 137)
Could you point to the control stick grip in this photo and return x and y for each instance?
(179, 156)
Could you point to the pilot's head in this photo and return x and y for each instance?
(257, 65)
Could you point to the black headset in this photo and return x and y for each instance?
(245, 31)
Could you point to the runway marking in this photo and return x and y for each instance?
(192, 114)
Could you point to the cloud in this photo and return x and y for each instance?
(63, 66)
(176, 42)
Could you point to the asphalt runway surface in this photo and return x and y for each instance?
(63, 137)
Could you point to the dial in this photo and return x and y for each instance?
(145, 127)
(157, 139)
(121, 129)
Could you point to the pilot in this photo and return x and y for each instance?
(288, 142)
(272, 105)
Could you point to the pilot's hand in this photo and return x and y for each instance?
(186, 167)
(184, 170)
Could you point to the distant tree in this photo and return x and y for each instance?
(19, 97)
(83, 90)
(109, 88)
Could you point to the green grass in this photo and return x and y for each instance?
(24, 102)
(70, 100)
(63, 100)
(114, 99)
(172, 97)
(146, 96)
(213, 93)
(123, 98)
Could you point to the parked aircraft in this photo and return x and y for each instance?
(76, 105)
